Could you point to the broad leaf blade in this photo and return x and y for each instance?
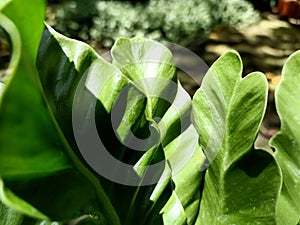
(104, 83)
(212, 100)
(4, 3)
(34, 155)
(83, 73)
(69, 63)
(227, 112)
(286, 142)
(149, 66)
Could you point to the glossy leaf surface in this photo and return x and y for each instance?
(106, 83)
(34, 155)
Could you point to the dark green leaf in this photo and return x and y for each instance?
(40, 175)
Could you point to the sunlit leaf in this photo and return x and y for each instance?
(227, 113)
(186, 159)
(286, 142)
(149, 66)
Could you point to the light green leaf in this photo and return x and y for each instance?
(287, 143)
(149, 66)
(241, 184)
(173, 212)
(185, 159)
(3, 3)
(177, 117)
(106, 83)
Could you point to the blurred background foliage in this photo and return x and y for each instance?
(184, 22)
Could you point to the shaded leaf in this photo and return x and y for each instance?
(94, 87)
(144, 62)
(32, 141)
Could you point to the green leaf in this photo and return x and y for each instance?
(48, 181)
(149, 66)
(185, 159)
(241, 184)
(286, 142)
(69, 63)
(173, 212)
(3, 3)
(103, 83)
(149, 69)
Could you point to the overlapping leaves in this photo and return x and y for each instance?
(59, 168)
(142, 105)
(136, 103)
(33, 152)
